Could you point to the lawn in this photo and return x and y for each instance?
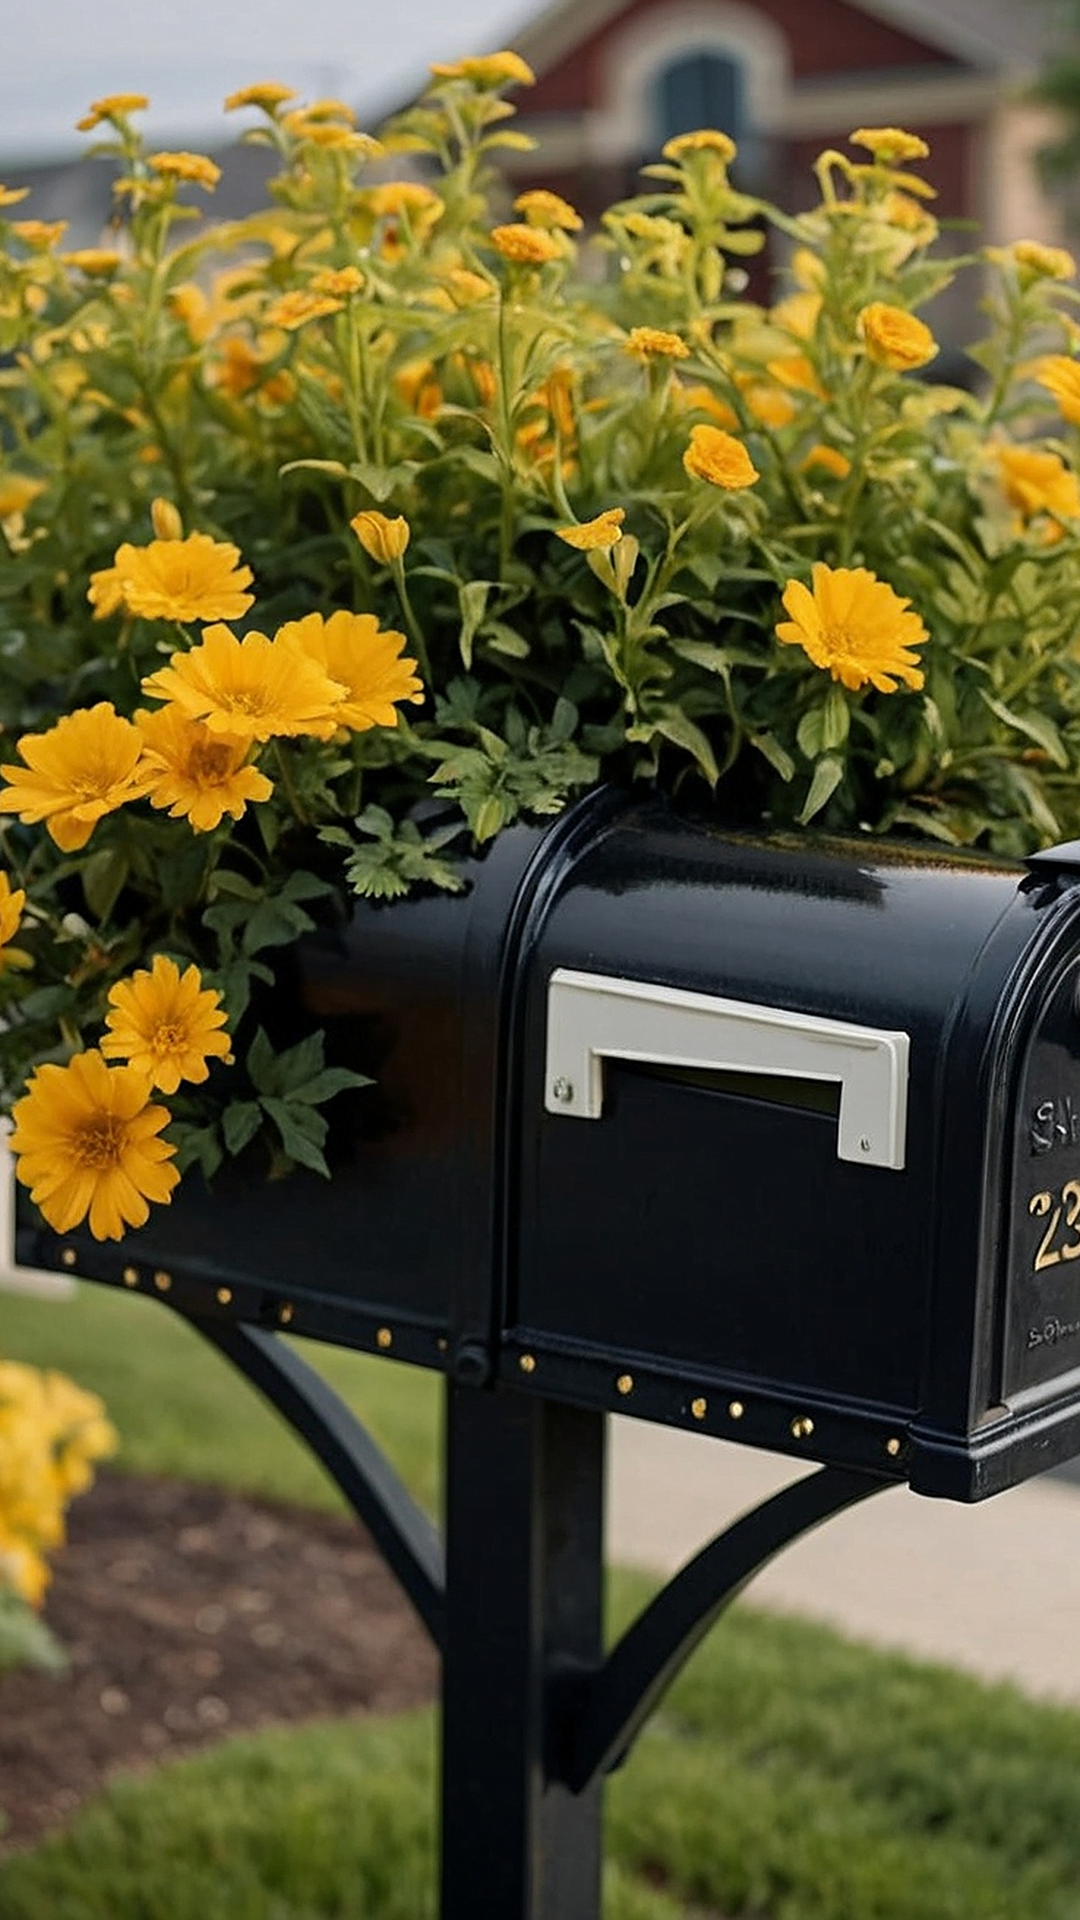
(789, 1775)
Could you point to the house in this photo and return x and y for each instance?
(616, 78)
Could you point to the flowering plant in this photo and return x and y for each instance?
(375, 495)
(51, 1433)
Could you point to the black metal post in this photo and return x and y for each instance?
(524, 1534)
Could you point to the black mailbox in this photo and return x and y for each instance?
(768, 1137)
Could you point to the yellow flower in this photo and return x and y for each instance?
(488, 70)
(83, 768)
(193, 579)
(653, 343)
(525, 246)
(249, 689)
(856, 626)
(41, 234)
(403, 199)
(266, 94)
(166, 1025)
(705, 140)
(330, 135)
(17, 492)
(384, 539)
(894, 338)
(902, 211)
(468, 288)
(1042, 262)
(98, 263)
(701, 399)
(366, 661)
(830, 458)
(10, 196)
(113, 106)
(1038, 482)
(604, 531)
(1060, 375)
(105, 592)
(542, 208)
(719, 458)
(22, 1567)
(87, 1142)
(296, 308)
(192, 167)
(338, 282)
(890, 145)
(12, 902)
(198, 775)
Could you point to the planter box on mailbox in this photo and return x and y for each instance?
(773, 1138)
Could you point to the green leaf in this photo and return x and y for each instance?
(1037, 726)
(325, 1084)
(472, 598)
(777, 756)
(677, 727)
(261, 1062)
(240, 1122)
(827, 777)
(302, 1131)
(810, 732)
(25, 1640)
(835, 719)
(104, 875)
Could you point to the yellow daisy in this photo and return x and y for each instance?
(655, 343)
(193, 579)
(488, 70)
(1036, 481)
(367, 661)
(250, 689)
(266, 94)
(166, 1025)
(542, 208)
(88, 1143)
(895, 338)
(111, 107)
(83, 768)
(525, 246)
(384, 539)
(719, 458)
(604, 531)
(194, 169)
(198, 775)
(855, 625)
(1060, 375)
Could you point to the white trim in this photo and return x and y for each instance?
(13, 1278)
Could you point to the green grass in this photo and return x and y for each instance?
(181, 1409)
(788, 1776)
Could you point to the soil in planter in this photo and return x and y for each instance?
(189, 1614)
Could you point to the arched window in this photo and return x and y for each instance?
(708, 89)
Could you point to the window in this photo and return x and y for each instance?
(705, 89)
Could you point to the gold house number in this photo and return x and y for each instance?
(1067, 1203)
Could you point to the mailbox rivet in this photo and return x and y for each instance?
(864, 1145)
(384, 1339)
(563, 1091)
(441, 1344)
(223, 1296)
(893, 1447)
(162, 1281)
(735, 1409)
(625, 1383)
(527, 1362)
(68, 1257)
(699, 1408)
(285, 1313)
(130, 1276)
(802, 1428)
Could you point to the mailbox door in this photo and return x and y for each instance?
(704, 1229)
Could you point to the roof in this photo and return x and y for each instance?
(1001, 36)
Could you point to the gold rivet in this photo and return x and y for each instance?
(68, 1257)
(162, 1281)
(735, 1409)
(285, 1313)
(625, 1383)
(131, 1276)
(893, 1446)
(527, 1362)
(441, 1344)
(384, 1338)
(699, 1408)
(802, 1428)
(223, 1296)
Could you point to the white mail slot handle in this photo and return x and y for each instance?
(594, 1016)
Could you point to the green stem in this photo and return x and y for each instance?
(289, 785)
(397, 568)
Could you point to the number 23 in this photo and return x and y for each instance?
(1041, 1204)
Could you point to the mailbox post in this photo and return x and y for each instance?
(764, 1138)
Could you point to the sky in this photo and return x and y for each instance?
(187, 54)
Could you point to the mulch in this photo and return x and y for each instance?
(189, 1614)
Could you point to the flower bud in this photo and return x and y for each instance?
(165, 520)
(384, 539)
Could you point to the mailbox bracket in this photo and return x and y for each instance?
(594, 1016)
